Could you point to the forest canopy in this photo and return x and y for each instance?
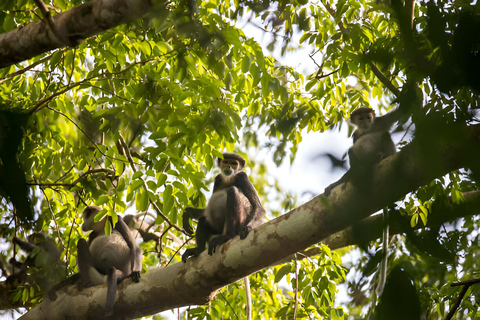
(127, 105)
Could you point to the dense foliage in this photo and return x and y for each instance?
(134, 118)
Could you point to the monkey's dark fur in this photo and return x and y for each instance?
(233, 209)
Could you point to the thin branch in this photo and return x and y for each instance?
(112, 93)
(21, 71)
(455, 306)
(48, 99)
(466, 285)
(65, 174)
(333, 13)
(68, 244)
(132, 164)
(384, 79)
(468, 282)
(49, 185)
(107, 76)
(375, 70)
(53, 218)
(91, 140)
(296, 289)
(71, 185)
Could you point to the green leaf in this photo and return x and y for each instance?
(141, 200)
(136, 184)
(282, 272)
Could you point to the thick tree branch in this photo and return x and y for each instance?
(371, 228)
(73, 26)
(196, 281)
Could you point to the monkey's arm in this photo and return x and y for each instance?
(191, 213)
(384, 123)
(257, 211)
(343, 179)
(25, 246)
(136, 255)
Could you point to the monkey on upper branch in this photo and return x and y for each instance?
(233, 209)
(371, 144)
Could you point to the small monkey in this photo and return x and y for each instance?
(371, 142)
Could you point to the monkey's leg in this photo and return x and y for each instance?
(234, 218)
(202, 235)
(114, 278)
(25, 246)
(84, 260)
(136, 255)
(343, 179)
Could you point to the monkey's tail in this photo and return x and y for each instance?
(383, 265)
(248, 296)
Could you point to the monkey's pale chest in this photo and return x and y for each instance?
(217, 208)
(371, 148)
(110, 251)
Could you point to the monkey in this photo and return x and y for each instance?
(371, 144)
(233, 209)
(140, 226)
(42, 266)
(116, 256)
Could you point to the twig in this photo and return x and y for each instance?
(76, 84)
(132, 164)
(91, 140)
(296, 290)
(53, 218)
(19, 72)
(468, 282)
(333, 13)
(384, 79)
(466, 285)
(457, 303)
(71, 185)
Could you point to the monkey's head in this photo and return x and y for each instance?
(231, 164)
(88, 219)
(362, 118)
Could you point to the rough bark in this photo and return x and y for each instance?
(73, 26)
(196, 281)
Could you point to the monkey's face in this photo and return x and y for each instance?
(229, 167)
(363, 121)
(89, 219)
